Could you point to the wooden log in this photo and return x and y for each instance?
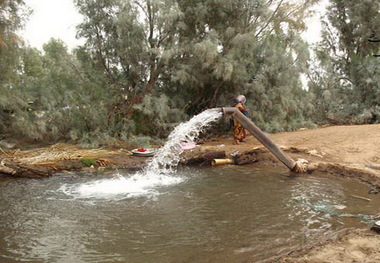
(214, 155)
(11, 168)
(247, 157)
(205, 158)
(7, 170)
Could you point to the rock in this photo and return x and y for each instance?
(246, 158)
(8, 144)
(376, 227)
(374, 191)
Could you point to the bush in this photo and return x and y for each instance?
(140, 141)
(88, 162)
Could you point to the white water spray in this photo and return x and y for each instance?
(168, 156)
(119, 187)
(160, 171)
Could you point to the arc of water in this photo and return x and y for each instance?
(167, 157)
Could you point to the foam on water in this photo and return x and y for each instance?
(168, 157)
(160, 171)
(120, 187)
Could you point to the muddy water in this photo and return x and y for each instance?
(223, 214)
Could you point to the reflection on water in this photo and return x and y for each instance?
(224, 214)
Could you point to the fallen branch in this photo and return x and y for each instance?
(3, 152)
(11, 168)
(362, 198)
(6, 170)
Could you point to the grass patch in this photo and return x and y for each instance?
(88, 161)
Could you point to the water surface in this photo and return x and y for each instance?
(217, 214)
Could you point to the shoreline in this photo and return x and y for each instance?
(343, 151)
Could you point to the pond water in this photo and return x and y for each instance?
(215, 214)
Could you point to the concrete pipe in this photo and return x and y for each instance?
(262, 138)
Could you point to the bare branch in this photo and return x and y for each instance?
(270, 19)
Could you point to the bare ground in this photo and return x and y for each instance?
(346, 151)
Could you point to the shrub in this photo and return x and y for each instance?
(140, 141)
(88, 161)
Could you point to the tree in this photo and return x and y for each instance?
(250, 47)
(350, 76)
(147, 65)
(12, 15)
(192, 55)
(11, 19)
(61, 102)
(131, 41)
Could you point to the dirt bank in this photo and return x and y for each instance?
(347, 151)
(348, 246)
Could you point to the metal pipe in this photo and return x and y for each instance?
(260, 136)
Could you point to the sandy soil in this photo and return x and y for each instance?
(343, 144)
(335, 144)
(348, 151)
(357, 246)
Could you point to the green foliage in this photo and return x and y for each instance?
(148, 65)
(12, 16)
(131, 41)
(140, 141)
(199, 53)
(88, 161)
(157, 116)
(55, 100)
(346, 86)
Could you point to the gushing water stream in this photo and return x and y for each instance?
(160, 171)
(168, 156)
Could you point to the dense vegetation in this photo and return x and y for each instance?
(346, 83)
(148, 65)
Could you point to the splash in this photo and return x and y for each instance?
(119, 187)
(160, 171)
(167, 158)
